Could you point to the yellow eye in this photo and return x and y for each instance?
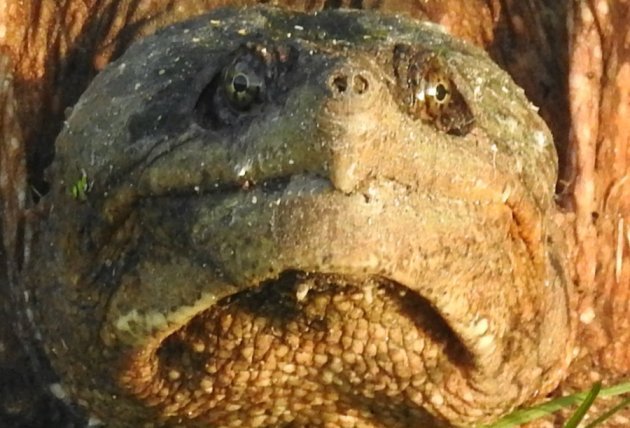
(243, 86)
(432, 87)
(428, 90)
(437, 93)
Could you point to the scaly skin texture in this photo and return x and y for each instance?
(129, 216)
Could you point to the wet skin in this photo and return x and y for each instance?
(267, 218)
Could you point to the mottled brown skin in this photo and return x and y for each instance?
(589, 131)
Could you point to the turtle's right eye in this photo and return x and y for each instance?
(243, 85)
(237, 91)
(249, 81)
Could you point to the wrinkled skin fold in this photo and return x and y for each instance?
(314, 251)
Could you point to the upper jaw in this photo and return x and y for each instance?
(237, 239)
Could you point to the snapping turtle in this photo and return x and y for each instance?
(262, 218)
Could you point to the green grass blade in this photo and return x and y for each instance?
(579, 414)
(611, 391)
(521, 416)
(608, 413)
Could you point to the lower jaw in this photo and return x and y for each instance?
(305, 349)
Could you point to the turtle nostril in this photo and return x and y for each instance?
(360, 84)
(340, 84)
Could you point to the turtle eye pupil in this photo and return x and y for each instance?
(240, 83)
(243, 85)
(441, 92)
(238, 91)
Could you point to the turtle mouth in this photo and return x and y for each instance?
(330, 302)
(305, 338)
(305, 298)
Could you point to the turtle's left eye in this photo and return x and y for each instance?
(428, 92)
(243, 86)
(433, 92)
(440, 92)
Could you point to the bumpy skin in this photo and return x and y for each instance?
(316, 255)
(395, 366)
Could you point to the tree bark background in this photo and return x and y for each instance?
(599, 138)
